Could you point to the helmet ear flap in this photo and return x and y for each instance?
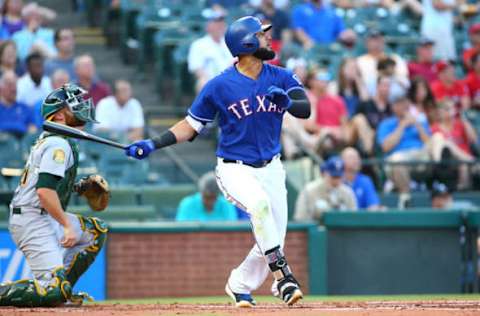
(251, 43)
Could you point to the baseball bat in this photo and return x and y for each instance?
(78, 134)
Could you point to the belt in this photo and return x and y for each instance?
(18, 211)
(258, 164)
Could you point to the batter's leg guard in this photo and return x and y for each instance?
(29, 293)
(288, 287)
(84, 258)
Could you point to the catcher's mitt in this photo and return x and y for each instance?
(95, 189)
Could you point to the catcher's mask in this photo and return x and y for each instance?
(72, 96)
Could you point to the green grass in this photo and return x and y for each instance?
(308, 298)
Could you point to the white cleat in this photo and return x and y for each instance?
(241, 300)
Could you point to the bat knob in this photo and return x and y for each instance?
(140, 152)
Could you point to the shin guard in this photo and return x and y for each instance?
(85, 257)
(287, 285)
(29, 293)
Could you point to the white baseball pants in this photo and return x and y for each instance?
(261, 192)
(38, 237)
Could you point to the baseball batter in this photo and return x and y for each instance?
(250, 99)
(58, 246)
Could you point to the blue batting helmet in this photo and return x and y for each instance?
(241, 35)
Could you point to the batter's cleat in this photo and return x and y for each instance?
(241, 300)
(289, 290)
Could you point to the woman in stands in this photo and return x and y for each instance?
(350, 85)
(423, 104)
(459, 136)
(12, 16)
(8, 58)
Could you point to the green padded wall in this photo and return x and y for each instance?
(393, 253)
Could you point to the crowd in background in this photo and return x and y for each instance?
(377, 104)
(36, 59)
(409, 111)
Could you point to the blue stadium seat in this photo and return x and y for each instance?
(11, 154)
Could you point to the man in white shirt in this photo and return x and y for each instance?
(34, 86)
(209, 55)
(367, 63)
(437, 24)
(121, 113)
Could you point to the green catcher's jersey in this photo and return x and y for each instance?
(51, 154)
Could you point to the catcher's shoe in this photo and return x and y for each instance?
(241, 300)
(77, 299)
(289, 290)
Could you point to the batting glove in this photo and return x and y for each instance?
(279, 97)
(140, 149)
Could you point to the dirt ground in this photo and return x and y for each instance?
(384, 308)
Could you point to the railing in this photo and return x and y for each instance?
(177, 160)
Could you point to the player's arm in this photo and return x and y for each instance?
(181, 132)
(47, 194)
(294, 100)
(300, 104)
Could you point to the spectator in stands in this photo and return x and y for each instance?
(225, 4)
(34, 37)
(458, 136)
(474, 33)
(15, 117)
(280, 21)
(295, 138)
(351, 4)
(325, 194)
(317, 23)
(368, 117)
(424, 65)
(361, 184)
(389, 4)
(12, 16)
(423, 106)
(34, 86)
(473, 81)
(8, 58)
(329, 118)
(58, 79)
(437, 25)
(121, 114)
(65, 44)
(403, 139)
(299, 67)
(350, 85)
(441, 197)
(448, 86)
(209, 55)
(278, 18)
(88, 80)
(367, 63)
(206, 205)
(386, 68)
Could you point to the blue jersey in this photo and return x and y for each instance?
(250, 124)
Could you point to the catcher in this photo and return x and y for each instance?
(58, 246)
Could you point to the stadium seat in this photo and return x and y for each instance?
(147, 24)
(118, 213)
(4, 213)
(165, 43)
(166, 199)
(184, 81)
(15, 157)
(129, 10)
